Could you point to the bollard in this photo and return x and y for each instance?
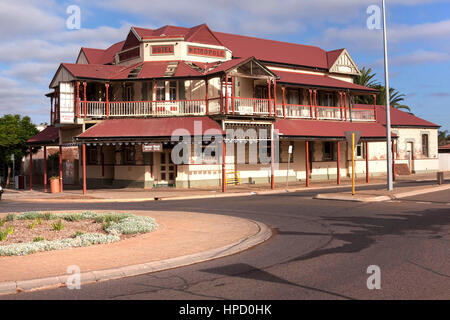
(440, 177)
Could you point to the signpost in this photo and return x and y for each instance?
(390, 182)
(13, 169)
(353, 138)
(289, 162)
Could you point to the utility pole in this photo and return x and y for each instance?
(390, 183)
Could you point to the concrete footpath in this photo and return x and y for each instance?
(382, 195)
(182, 238)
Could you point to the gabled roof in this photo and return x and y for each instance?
(318, 81)
(93, 55)
(340, 61)
(235, 63)
(332, 56)
(402, 119)
(202, 34)
(48, 136)
(100, 56)
(199, 34)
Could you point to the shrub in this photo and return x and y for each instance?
(10, 217)
(77, 234)
(2, 222)
(112, 217)
(5, 233)
(32, 215)
(32, 225)
(21, 249)
(132, 225)
(48, 216)
(37, 239)
(58, 225)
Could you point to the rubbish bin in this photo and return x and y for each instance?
(440, 177)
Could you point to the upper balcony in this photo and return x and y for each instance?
(214, 106)
(237, 88)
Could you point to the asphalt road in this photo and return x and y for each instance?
(321, 250)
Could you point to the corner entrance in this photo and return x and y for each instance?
(167, 170)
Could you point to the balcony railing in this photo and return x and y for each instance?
(241, 106)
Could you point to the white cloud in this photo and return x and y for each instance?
(420, 57)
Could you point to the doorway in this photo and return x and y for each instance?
(167, 169)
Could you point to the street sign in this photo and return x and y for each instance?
(348, 136)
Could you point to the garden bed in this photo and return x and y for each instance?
(30, 232)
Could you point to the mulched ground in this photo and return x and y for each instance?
(23, 233)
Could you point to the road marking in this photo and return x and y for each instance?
(423, 202)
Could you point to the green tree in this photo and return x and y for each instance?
(443, 137)
(14, 132)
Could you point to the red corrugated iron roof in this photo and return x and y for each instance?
(244, 46)
(151, 69)
(274, 51)
(152, 127)
(327, 129)
(93, 71)
(332, 56)
(401, 118)
(445, 147)
(318, 81)
(49, 135)
(102, 56)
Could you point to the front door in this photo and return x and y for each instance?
(167, 168)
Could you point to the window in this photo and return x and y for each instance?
(328, 151)
(425, 145)
(360, 152)
(130, 155)
(173, 90)
(129, 93)
(161, 91)
(292, 97)
(92, 156)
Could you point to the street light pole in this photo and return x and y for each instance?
(390, 182)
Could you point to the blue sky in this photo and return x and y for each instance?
(34, 40)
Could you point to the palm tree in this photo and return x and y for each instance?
(395, 98)
(367, 79)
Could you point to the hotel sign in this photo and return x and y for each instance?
(162, 50)
(206, 52)
(152, 147)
